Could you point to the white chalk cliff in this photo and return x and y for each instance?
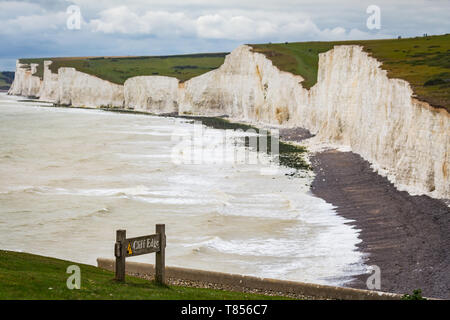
(353, 104)
(25, 84)
(156, 94)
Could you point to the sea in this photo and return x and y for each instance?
(69, 178)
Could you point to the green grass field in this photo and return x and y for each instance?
(119, 69)
(27, 276)
(422, 61)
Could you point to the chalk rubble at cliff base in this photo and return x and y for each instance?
(353, 104)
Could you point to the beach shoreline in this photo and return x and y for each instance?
(405, 236)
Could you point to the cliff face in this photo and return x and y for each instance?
(68, 87)
(25, 84)
(156, 94)
(246, 87)
(80, 89)
(403, 138)
(353, 104)
(49, 88)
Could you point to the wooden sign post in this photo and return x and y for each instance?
(141, 245)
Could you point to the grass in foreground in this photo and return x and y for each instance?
(119, 69)
(28, 276)
(422, 61)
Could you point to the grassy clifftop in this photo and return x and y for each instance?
(422, 61)
(119, 69)
(28, 276)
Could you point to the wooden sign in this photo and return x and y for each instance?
(141, 245)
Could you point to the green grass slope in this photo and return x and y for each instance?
(27, 276)
(119, 69)
(422, 61)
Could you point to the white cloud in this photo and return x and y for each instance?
(32, 24)
(238, 27)
(123, 20)
(10, 9)
(230, 25)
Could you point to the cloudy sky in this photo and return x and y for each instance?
(48, 28)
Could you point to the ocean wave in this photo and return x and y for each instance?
(140, 193)
(178, 201)
(271, 247)
(132, 191)
(283, 258)
(148, 133)
(144, 156)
